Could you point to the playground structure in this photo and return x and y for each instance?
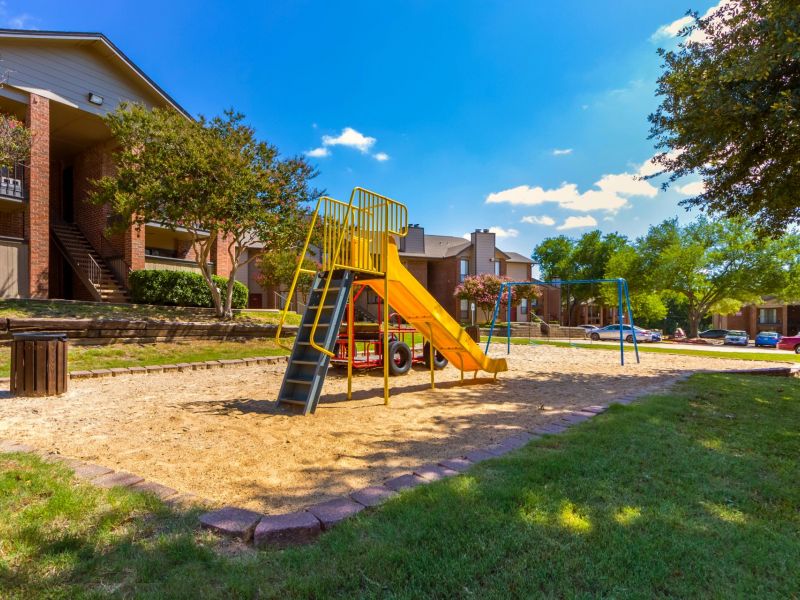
(359, 249)
(623, 306)
(366, 345)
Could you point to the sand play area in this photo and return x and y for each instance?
(219, 434)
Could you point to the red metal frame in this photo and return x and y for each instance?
(371, 355)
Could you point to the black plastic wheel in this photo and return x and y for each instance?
(595, 337)
(399, 358)
(629, 339)
(797, 349)
(439, 361)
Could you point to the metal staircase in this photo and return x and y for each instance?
(90, 267)
(305, 373)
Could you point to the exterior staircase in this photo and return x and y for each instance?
(90, 267)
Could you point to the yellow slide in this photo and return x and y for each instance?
(414, 303)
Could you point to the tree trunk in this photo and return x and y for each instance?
(694, 323)
(227, 311)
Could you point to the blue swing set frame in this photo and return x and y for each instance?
(622, 292)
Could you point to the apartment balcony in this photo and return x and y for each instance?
(12, 187)
(167, 263)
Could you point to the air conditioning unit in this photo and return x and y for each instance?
(11, 187)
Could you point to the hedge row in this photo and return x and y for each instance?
(180, 288)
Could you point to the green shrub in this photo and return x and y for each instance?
(180, 288)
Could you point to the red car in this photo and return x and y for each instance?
(790, 343)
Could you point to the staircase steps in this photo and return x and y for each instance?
(77, 250)
(307, 367)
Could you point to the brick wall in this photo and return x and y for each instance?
(133, 248)
(12, 224)
(38, 208)
(419, 269)
(442, 281)
(92, 219)
(219, 253)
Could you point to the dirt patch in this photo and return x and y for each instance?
(220, 435)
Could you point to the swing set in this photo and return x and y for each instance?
(622, 308)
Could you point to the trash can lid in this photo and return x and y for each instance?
(39, 337)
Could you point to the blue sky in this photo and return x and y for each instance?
(529, 117)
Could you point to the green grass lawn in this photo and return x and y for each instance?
(777, 356)
(86, 358)
(688, 494)
(84, 310)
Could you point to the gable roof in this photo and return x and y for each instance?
(101, 43)
(445, 246)
(516, 257)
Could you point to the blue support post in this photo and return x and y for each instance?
(630, 318)
(619, 320)
(494, 319)
(508, 317)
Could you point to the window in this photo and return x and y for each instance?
(767, 316)
(464, 309)
(496, 267)
(463, 269)
(523, 306)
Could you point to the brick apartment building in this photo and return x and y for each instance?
(441, 262)
(769, 315)
(53, 242)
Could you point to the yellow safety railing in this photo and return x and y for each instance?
(355, 237)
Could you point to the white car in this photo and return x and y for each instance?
(736, 338)
(611, 332)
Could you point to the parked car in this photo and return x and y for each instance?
(611, 332)
(768, 339)
(790, 342)
(713, 334)
(588, 328)
(736, 338)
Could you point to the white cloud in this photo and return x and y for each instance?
(504, 233)
(543, 220)
(351, 139)
(612, 194)
(694, 188)
(672, 30)
(626, 184)
(648, 167)
(320, 152)
(467, 237)
(577, 223)
(563, 152)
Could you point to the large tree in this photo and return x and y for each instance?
(647, 300)
(213, 178)
(730, 111)
(584, 258)
(277, 268)
(15, 141)
(716, 266)
(483, 290)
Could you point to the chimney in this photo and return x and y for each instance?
(483, 247)
(414, 242)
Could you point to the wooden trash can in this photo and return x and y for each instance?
(39, 364)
